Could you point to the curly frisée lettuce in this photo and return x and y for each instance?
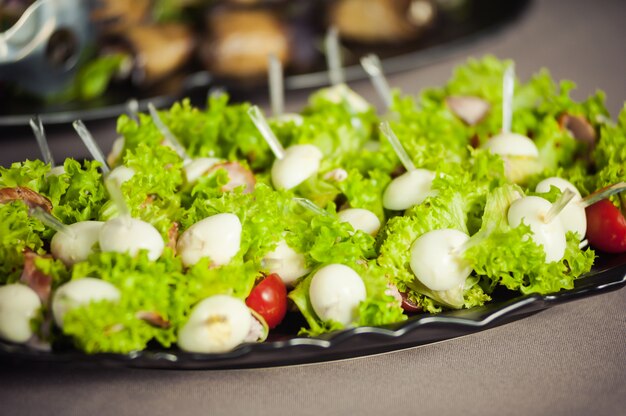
(18, 231)
(85, 192)
(30, 174)
(152, 192)
(610, 153)
(516, 262)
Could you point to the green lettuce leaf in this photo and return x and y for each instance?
(84, 195)
(18, 231)
(29, 174)
(152, 193)
(145, 286)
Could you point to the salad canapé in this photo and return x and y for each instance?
(204, 237)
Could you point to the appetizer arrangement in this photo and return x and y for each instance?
(204, 228)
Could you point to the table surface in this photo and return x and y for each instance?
(568, 360)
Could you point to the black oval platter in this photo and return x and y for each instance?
(285, 348)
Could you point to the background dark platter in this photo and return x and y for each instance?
(449, 34)
(283, 348)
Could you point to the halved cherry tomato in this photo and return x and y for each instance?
(606, 227)
(269, 299)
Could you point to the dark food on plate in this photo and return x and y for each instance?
(332, 229)
(239, 42)
(150, 52)
(121, 14)
(376, 21)
(230, 39)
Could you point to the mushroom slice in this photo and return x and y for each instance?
(579, 127)
(238, 175)
(34, 278)
(153, 318)
(30, 197)
(469, 109)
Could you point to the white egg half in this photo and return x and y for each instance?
(410, 188)
(217, 237)
(120, 174)
(468, 108)
(71, 249)
(19, 304)
(551, 236)
(360, 219)
(336, 292)
(286, 262)
(436, 260)
(81, 292)
(573, 215)
(300, 162)
(198, 167)
(512, 144)
(129, 235)
(216, 324)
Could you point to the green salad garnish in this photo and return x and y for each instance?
(355, 240)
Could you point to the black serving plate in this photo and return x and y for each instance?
(450, 32)
(285, 348)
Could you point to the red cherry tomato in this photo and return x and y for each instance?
(606, 227)
(269, 299)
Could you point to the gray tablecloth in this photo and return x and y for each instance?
(568, 360)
